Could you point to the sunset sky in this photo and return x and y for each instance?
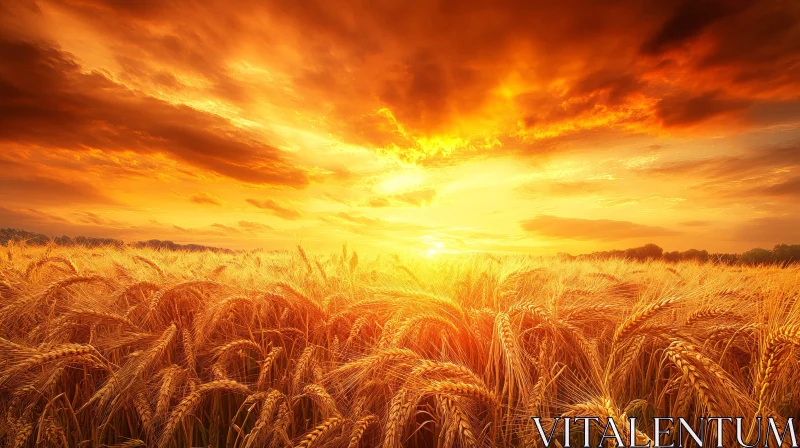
(509, 126)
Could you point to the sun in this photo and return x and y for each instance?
(437, 248)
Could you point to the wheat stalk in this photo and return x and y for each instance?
(192, 400)
(320, 432)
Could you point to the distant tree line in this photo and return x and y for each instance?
(781, 254)
(38, 239)
(169, 245)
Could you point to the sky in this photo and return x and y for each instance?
(447, 126)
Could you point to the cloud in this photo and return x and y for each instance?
(689, 109)
(538, 189)
(770, 230)
(788, 188)
(97, 225)
(252, 225)
(768, 174)
(36, 189)
(417, 198)
(590, 229)
(444, 81)
(205, 198)
(85, 223)
(695, 223)
(276, 209)
(85, 217)
(50, 102)
(367, 226)
(687, 22)
(214, 230)
(379, 202)
(360, 219)
(226, 229)
(754, 162)
(15, 217)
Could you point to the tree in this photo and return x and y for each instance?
(646, 252)
(694, 254)
(786, 253)
(758, 256)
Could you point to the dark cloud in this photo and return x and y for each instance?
(687, 110)
(48, 101)
(275, 208)
(690, 19)
(591, 229)
(205, 198)
(758, 47)
(615, 87)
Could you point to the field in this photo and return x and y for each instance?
(124, 347)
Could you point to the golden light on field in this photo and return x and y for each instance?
(125, 347)
(566, 127)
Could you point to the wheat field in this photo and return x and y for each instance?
(138, 347)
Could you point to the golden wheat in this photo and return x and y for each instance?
(139, 347)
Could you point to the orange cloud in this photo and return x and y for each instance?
(591, 229)
(417, 197)
(49, 102)
(788, 188)
(275, 208)
(562, 188)
(769, 230)
(251, 225)
(763, 172)
(685, 110)
(85, 217)
(427, 79)
(205, 198)
(35, 189)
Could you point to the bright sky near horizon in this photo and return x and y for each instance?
(513, 126)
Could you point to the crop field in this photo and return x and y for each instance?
(138, 347)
